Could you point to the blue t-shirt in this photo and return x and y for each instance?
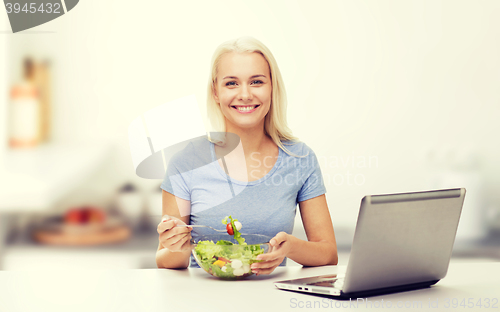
(266, 206)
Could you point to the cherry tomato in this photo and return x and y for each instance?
(229, 229)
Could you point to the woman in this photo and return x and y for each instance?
(246, 97)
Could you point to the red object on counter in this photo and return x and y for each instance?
(85, 215)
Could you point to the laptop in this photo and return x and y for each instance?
(402, 242)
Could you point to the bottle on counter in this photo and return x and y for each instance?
(42, 80)
(24, 110)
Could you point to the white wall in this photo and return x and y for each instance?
(390, 80)
(3, 88)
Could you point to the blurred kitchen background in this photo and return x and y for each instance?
(393, 96)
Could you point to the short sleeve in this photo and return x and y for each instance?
(176, 180)
(313, 180)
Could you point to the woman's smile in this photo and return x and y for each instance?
(245, 109)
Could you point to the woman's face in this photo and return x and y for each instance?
(243, 90)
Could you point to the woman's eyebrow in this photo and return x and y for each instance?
(254, 76)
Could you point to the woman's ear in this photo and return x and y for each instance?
(214, 91)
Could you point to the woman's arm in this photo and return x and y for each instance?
(320, 249)
(176, 256)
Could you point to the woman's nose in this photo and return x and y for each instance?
(245, 93)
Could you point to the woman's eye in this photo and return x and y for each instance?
(231, 83)
(257, 82)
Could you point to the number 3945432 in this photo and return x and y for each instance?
(30, 8)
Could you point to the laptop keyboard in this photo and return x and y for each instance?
(324, 281)
(334, 283)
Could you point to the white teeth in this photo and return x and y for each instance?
(245, 108)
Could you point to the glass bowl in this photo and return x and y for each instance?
(230, 260)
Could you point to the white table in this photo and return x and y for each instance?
(195, 290)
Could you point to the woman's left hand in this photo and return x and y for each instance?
(280, 247)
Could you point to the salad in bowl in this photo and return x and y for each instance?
(229, 256)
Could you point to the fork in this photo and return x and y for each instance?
(199, 225)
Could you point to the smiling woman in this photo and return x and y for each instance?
(260, 182)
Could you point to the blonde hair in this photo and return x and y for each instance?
(275, 125)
